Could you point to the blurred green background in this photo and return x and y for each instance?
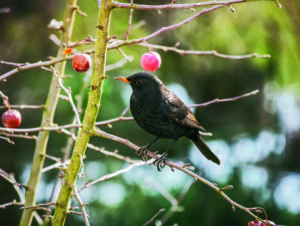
(257, 138)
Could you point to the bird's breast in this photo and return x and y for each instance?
(152, 119)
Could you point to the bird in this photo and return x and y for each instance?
(161, 113)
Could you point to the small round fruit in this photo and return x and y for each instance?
(11, 119)
(81, 62)
(151, 61)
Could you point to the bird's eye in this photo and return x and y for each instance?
(139, 82)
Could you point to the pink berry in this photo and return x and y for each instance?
(252, 223)
(11, 119)
(81, 62)
(151, 61)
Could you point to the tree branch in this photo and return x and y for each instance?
(209, 52)
(173, 166)
(183, 6)
(77, 197)
(48, 114)
(91, 112)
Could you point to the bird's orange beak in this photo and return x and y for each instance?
(123, 79)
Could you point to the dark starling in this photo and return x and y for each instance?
(160, 112)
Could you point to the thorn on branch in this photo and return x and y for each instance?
(226, 188)
(152, 219)
(231, 8)
(186, 165)
(79, 11)
(277, 3)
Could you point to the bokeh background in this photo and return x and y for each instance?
(257, 138)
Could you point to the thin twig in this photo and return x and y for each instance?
(153, 218)
(174, 208)
(27, 66)
(120, 118)
(5, 99)
(77, 197)
(118, 64)
(127, 58)
(6, 139)
(24, 106)
(101, 150)
(19, 136)
(174, 6)
(254, 92)
(14, 202)
(176, 166)
(39, 206)
(182, 6)
(162, 191)
(209, 52)
(68, 92)
(130, 21)
(109, 176)
(11, 179)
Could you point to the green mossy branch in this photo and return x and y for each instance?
(90, 116)
(47, 118)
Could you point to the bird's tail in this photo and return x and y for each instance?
(204, 149)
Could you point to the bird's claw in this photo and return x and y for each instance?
(143, 153)
(160, 162)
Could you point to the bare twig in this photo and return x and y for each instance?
(24, 106)
(68, 92)
(119, 43)
(182, 6)
(176, 166)
(19, 136)
(127, 58)
(77, 197)
(14, 202)
(27, 66)
(39, 206)
(120, 118)
(162, 191)
(56, 166)
(11, 179)
(209, 52)
(153, 218)
(118, 64)
(6, 139)
(5, 99)
(225, 99)
(174, 208)
(109, 176)
(130, 21)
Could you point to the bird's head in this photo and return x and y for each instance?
(142, 83)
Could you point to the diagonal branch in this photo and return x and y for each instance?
(77, 197)
(108, 176)
(183, 6)
(173, 166)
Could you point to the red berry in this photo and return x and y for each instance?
(81, 62)
(252, 223)
(151, 61)
(11, 119)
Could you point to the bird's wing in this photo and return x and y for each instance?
(175, 109)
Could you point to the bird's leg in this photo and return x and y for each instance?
(143, 150)
(161, 161)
